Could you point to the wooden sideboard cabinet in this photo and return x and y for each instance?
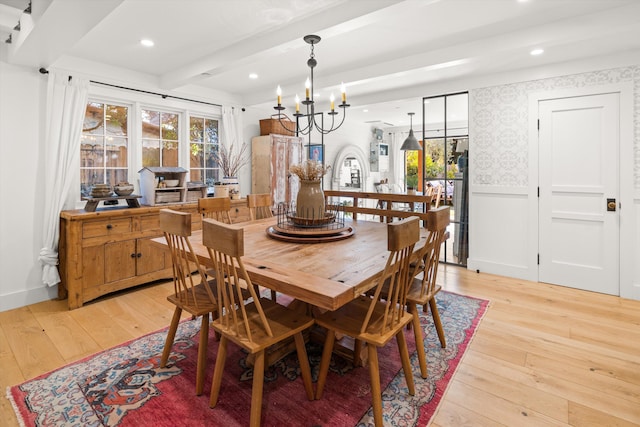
(109, 250)
(239, 211)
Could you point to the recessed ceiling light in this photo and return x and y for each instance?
(536, 52)
(253, 76)
(147, 42)
(365, 111)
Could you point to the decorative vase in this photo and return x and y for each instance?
(232, 183)
(310, 200)
(221, 190)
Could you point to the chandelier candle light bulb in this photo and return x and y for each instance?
(297, 103)
(332, 99)
(343, 90)
(279, 93)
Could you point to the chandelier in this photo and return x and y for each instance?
(305, 126)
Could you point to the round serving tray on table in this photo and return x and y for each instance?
(309, 235)
(328, 219)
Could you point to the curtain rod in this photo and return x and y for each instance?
(164, 96)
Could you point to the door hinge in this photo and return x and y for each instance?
(538, 124)
(538, 192)
(538, 259)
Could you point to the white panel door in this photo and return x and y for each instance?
(578, 173)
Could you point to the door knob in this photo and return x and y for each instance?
(611, 205)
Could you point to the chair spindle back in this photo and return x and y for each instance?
(176, 227)
(226, 248)
(401, 239)
(217, 208)
(437, 222)
(259, 205)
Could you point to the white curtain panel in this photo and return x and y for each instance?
(232, 126)
(66, 104)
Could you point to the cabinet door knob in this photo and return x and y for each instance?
(133, 255)
(139, 254)
(109, 226)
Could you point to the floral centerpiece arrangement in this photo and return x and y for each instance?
(309, 170)
(310, 199)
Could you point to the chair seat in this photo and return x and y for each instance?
(284, 323)
(185, 301)
(347, 320)
(414, 293)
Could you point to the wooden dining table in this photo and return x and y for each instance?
(326, 275)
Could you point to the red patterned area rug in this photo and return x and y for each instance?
(125, 386)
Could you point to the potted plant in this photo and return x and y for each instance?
(412, 183)
(230, 159)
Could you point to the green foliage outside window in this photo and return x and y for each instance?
(434, 159)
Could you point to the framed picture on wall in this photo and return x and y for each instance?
(316, 152)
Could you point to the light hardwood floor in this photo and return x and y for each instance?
(543, 355)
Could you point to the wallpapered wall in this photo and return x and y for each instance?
(499, 124)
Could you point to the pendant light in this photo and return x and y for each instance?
(411, 143)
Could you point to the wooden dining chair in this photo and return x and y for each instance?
(259, 205)
(217, 208)
(376, 321)
(438, 197)
(194, 291)
(254, 325)
(422, 290)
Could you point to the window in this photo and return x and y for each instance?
(203, 142)
(119, 138)
(104, 146)
(160, 138)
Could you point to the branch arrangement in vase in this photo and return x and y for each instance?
(231, 159)
(309, 170)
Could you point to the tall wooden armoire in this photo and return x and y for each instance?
(271, 157)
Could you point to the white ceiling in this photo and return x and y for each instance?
(385, 51)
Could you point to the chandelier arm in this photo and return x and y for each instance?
(332, 128)
(306, 129)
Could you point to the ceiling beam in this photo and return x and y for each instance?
(43, 40)
(280, 39)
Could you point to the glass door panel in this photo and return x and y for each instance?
(445, 166)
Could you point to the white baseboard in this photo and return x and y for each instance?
(27, 296)
(515, 271)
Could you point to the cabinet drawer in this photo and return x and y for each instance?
(106, 227)
(150, 223)
(239, 214)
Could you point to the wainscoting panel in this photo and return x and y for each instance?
(499, 232)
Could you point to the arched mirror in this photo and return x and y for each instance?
(350, 170)
(351, 175)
